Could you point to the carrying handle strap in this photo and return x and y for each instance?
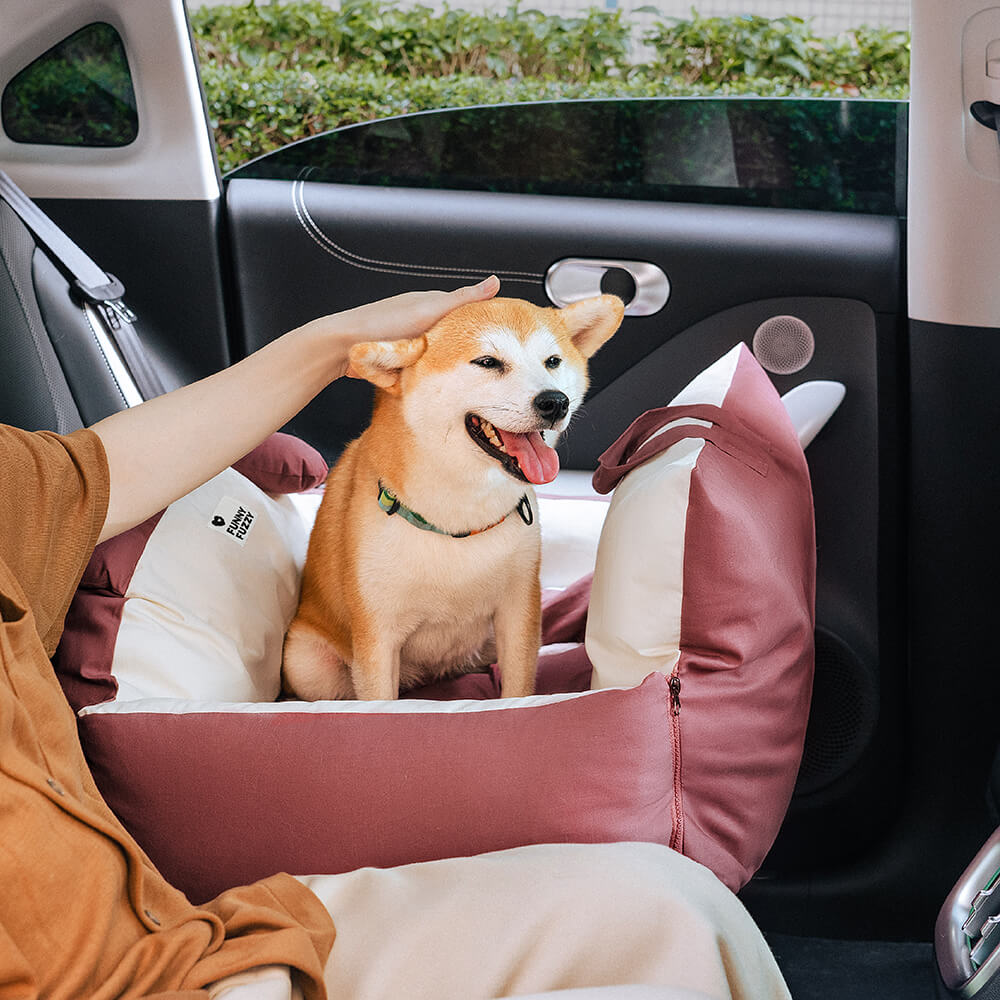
(640, 442)
(89, 283)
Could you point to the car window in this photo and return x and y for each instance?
(78, 93)
(829, 155)
(276, 73)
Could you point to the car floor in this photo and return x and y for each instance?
(823, 969)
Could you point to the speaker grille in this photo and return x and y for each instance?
(842, 715)
(783, 344)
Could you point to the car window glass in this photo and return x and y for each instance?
(78, 93)
(832, 155)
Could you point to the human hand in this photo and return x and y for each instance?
(411, 313)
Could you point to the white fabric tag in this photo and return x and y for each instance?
(233, 519)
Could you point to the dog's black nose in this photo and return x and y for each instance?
(551, 405)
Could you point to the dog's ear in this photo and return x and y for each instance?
(592, 322)
(381, 362)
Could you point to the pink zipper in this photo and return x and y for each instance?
(677, 813)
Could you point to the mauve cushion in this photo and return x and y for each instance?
(706, 572)
(219, 796)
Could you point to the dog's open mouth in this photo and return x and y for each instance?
(524, 456)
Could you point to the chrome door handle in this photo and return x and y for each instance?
(574, 278)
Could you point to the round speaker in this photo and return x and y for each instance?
(842, 715)
(783, 344)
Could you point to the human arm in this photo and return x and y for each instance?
(170, 445)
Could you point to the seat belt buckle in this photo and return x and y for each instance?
(108, 295)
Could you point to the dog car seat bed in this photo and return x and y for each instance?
(171, 658)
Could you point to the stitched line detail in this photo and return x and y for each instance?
(418, 270)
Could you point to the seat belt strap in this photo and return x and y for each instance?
(89, 283)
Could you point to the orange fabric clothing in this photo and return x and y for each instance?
(83, 912)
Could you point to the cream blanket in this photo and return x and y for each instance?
(571, 921)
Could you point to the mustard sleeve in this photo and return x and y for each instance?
(53, 501)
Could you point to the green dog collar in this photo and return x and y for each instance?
(390, 503)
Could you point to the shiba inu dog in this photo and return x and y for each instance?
(424, 558)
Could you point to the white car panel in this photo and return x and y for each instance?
(173, 156)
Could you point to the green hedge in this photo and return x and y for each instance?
(279, 72)
(414, 41)
(733, 49)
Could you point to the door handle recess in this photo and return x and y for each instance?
(642, 286)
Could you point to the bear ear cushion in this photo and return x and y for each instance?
(283, 464)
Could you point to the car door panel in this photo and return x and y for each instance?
(302, 250)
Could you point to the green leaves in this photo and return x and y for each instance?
(276, 72)
(734, 49)
(413, 41)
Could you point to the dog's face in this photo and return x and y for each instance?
(488, 381)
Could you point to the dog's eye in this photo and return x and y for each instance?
(488, 361)
(553, 362)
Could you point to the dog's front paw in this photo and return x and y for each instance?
(519, 687)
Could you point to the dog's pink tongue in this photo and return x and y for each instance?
(539, 462)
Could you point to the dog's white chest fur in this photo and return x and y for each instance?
(436, 596)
